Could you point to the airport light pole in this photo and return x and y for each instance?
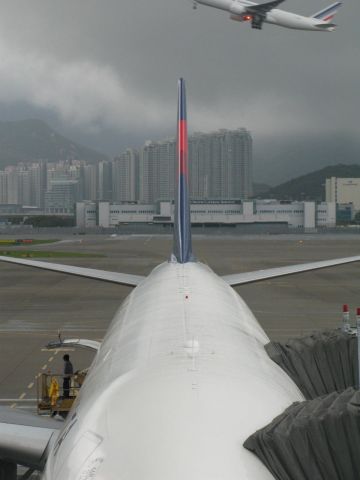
(346, 319)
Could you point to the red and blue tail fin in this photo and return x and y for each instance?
(328, 13)
(182, 222)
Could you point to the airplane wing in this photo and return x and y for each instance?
(113, 277)
(264, 7)
(258, 12)
(259, 275)
(25, 438)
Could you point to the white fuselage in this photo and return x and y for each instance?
(237, 8)
(179, 383)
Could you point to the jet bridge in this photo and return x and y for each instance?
(320, 363)
(317, 438)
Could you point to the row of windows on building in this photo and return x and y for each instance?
(135, 212)
(281, 211)
(221, 212)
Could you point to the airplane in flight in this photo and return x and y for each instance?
(259, 13)
(179, 382)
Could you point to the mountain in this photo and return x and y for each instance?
(277, 159)
(28, 140)
(260, 188)
(312, 185)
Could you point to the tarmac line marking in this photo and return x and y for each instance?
(30, 386)
(13, 405)
(44, 367)
(51, 359)
(22, 396)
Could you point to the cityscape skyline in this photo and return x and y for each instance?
(220, 168)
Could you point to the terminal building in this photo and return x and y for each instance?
(308, 216)
(343, 191)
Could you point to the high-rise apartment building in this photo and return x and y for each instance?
(37, 184)
(55, 171)
(24, 186)
(105, 182)
(125, 176)
(21, 185)
(12, 185)
(220, 166)
(61, 197)
(3, 187)
(157, 171)
(89, 182)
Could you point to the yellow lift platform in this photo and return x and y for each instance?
(50, 395)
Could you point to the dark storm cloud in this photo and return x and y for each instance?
(111, 66)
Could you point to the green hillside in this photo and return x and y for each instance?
(27, 140)
(312, 185)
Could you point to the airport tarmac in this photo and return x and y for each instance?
(35, 304)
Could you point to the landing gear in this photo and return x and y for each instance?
(257, 21)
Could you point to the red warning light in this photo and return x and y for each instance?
(345, 308)
(247, 18)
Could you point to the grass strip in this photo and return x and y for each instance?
(25, 241)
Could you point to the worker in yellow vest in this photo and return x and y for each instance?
(54, 391)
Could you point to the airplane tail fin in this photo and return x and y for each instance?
(328, 13)
(182, 223)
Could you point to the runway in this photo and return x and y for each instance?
(35, 304)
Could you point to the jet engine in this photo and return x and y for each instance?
(239, 13)
(237, 9)
(241, 18)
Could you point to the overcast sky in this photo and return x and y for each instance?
(105, 71)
